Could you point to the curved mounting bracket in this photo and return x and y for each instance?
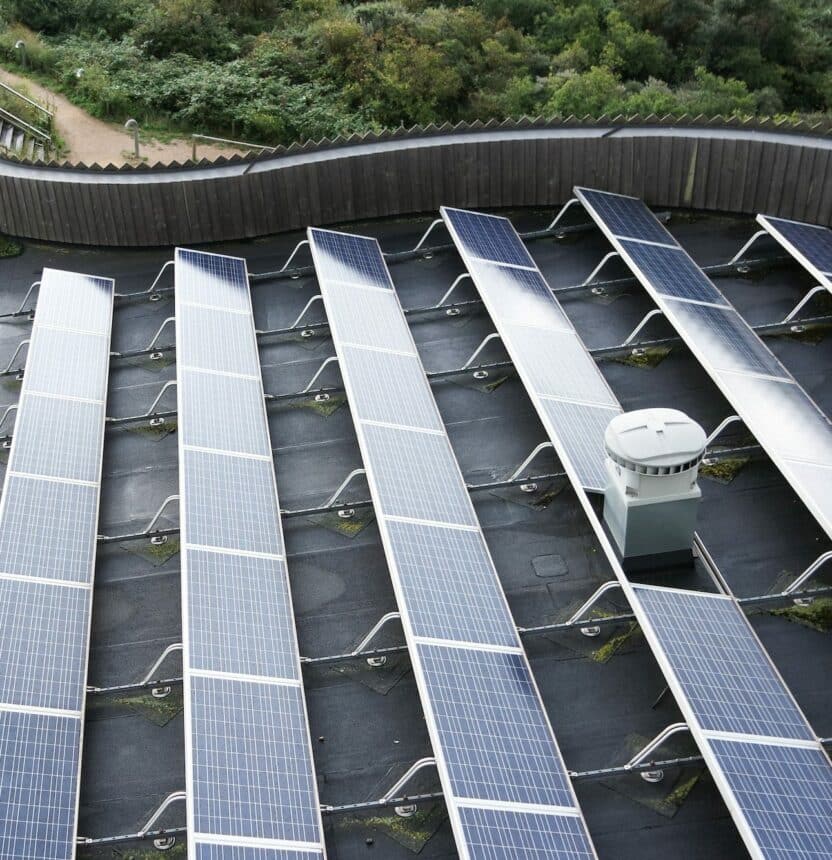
(29, 292)
(294, 254)
(612, 255)
(20, 346)
(580, 614)
(563, 210)
(433, 225)
(457, 281)
(406, 811)
(485, 341)
(661, 737)
(302, 314)
(727, 422)
(319, 371)
(747, 247)
(344, 484)
(803, 302)
(807, 574)
(530, 459)
(636, 331)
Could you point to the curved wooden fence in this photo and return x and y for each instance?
(719, 165)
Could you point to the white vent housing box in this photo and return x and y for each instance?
(651, 498)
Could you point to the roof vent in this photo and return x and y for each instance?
(651, 499)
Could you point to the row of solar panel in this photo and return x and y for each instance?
(48, 525)
(750, 376)
(554, 365)
(488, 726)
(250, 774)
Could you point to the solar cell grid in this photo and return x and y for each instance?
(367, 317)
(782, 417)
(672, 273)
(240, 618)
(579, 430)
(208, 851)
(43, 644)
(350, 259)
(725, 338)
(68, 364)
(449, 584)
(225, 413)
(556, 364)
(495, 739)
(410, 470)
(522, 296)
(230, 502)
(252, 768)
(487, 237)
(785, 794)
(38, 775)
(627, 217)
(811, 241)
(73, 301)
(722, 668)
(216, 340)
(57, 437)
(212, 279)
(388, 387)
(499, 834)
(48, 529)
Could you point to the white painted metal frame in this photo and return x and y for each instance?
(770, 227)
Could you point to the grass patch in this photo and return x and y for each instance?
(413, 833)
(325, 407)
(178, 852)
(157, 711)
(614, 644)
(10, 247)
(647, 357)
(724, 471)
(817, 615)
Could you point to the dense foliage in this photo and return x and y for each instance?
(280, 70)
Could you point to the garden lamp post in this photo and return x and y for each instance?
(20, 45)
(132, 126)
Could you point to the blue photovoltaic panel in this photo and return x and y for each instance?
(627, 217)
(411, 471)
(210, 339)
(378, 385)
(671, 272)
(488, 237)
(231, 502)
(212, 279)
(252, 768)
(784, 795)
(561, 377)
(43, 644)
(59, 438)
(47, 529)
(495, 738)
(206, 851)
(810, 243)
(487, 724)
(723, 670)
(225, 413)
(73, 301)
(449, 585)
(725, 337)
(351, 259)
(39, 762)
(500, 834)
(68, 364)
(368, 318)
(250, 772)
(523, 295)
(224, 589)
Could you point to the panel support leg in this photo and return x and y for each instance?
(579, 614)
(563, 210)
(746, 248)
(376, 662)
(160, 692)
(637, 330)
(661, 737)
(803, 302)
(612, 255)
(26, 298)
(463, 277)
(302, 314)
(345, 513)
(529, 488)
(407, 810)
(726, 422)
(804, 577)
(155, 356)
(433, 225)
(9, 410)
(318, 372)
(292, 256)
(485, 341)
(20, 346)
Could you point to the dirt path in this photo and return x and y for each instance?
(91, 140)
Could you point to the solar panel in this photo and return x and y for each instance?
(492, 239)
(351, 259)
(809, 244)
(780, 414)
(627, 217)
(568, 391)
(488, 727)
(249, 768)
(48, 525)
(784, 794)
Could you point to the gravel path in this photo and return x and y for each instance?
(92, 140)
